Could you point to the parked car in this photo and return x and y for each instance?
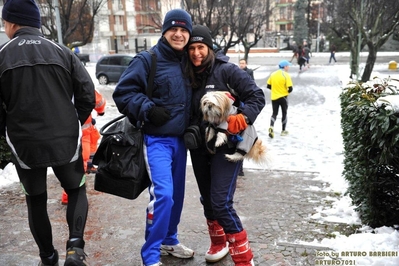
(84, 58)
(109, 68)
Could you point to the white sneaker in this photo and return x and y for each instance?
(284, 133)
(178, 251)
(156, 264)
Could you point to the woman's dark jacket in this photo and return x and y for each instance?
(225, 76)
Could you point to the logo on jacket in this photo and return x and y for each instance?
(23, 41)
(211, 86)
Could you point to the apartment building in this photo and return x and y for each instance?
(282, 18)
(128, 26)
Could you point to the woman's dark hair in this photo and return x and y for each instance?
(193, 71)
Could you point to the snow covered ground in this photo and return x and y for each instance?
(314, 144)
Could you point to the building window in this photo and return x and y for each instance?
(283, 12)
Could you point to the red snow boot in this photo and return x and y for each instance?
(219, 245)
(239, 249)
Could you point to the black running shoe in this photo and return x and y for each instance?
(75, 257)
(50, 261)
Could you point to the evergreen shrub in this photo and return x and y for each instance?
(370, 130)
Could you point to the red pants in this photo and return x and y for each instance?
(90, 139)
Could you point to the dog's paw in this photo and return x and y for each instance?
(235, 157)
(221, 138)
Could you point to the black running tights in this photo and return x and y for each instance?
(39, 221)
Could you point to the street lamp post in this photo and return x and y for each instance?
(278, 41)
(318, 29)
(58, 21)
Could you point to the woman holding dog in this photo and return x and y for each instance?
(216, 176)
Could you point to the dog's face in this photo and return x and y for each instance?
(215, 106)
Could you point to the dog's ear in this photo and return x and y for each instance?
(226, 103)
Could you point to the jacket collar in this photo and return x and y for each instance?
(28, 31)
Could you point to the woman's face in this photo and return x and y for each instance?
(197, 52)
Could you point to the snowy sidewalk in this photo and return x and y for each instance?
(275, 207)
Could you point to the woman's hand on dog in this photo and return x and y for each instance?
(236, 124)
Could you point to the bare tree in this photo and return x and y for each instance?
(77, 20)
(364, 23)
(231, 22)
(254, 26)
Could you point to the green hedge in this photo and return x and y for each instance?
(370, 130)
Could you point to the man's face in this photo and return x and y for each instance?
(197, 52)
(177, 37)
(243, 64)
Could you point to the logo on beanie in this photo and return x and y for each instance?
(197, 39)
(177, 23)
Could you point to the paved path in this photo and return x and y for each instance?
(275, 207)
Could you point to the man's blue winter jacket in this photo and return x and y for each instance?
(172, 90)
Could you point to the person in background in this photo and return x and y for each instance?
(76, 50)
(216, 176)
(46, 95)
(307, 54)
(166, 116)
(306, 44)
(333, 49)
(301, 57)
(244, 66)
(322, 42)
(90, 137)
(280, 84)
(294, 51)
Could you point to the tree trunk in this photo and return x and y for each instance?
(371, 58)
(353, 63)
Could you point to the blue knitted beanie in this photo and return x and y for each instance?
(177, 18)
(22, 12)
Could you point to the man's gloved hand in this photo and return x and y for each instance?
(236, 123)
(158, 115)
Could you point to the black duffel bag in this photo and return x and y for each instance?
(120, 159)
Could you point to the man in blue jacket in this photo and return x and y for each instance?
(165, 117)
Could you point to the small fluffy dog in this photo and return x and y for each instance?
(216, 106)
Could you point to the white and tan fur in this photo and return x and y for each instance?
(216, 106)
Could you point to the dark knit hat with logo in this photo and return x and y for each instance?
(22, 12)
(201, 34)
(177, 18)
